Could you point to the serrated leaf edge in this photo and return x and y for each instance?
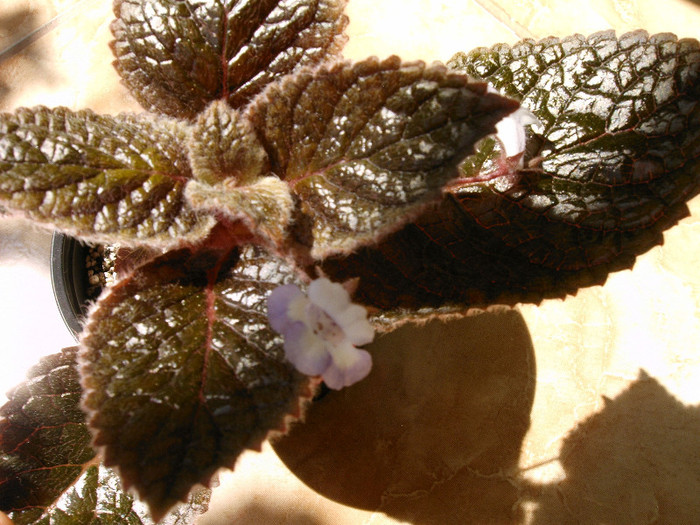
(294, 412)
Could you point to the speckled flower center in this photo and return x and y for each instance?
(323, 325)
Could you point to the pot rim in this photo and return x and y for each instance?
(69, 280)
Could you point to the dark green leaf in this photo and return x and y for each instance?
(44, 441)
(613, 166)
(621, 122)
(366, 146)
(96, 498)
(48, 470)
(177, 57)
(113, 179)
(182, 371)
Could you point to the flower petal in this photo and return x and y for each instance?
(307, 352)
(329, 296)
(353, 321)
(511, 129)
(320, 331)
(278, 306)
(349, 366)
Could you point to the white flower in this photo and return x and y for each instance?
(321, 330)
(511, 129)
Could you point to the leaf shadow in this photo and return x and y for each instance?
(636, 461)
(434, 433)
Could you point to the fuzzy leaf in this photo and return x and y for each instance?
(182, 371)
(102, 178)
(265, 206)
(229, 164)
(177, 57)
(613, 167)
(44, 441)
(365, 146)
(223, 146)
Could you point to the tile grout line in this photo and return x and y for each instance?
(495, 10)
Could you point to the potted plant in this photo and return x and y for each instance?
(294, 203)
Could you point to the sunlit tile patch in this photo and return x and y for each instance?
(30, 323)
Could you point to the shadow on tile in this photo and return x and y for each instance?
(434, 434)
(636, 461)
(258, 512)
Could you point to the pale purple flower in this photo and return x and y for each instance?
(321, 330)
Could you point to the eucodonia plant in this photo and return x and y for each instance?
(292, 202)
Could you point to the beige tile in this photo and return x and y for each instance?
(70, 65)
(585, 347)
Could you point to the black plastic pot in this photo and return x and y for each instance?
(69, 279)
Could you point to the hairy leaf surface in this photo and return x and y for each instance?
(223, 146)
(264, 207)
(103, 178)
(231, 175)
(612, 167)
(182, 371)
(365, 146)
(177, 57)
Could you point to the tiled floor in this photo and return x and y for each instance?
(610, 374)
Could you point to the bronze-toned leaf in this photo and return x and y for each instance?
(48, 471)
(182, 372)
(366, 146)
(178, 56)
(616, 159)
(231, 176)
(101, 178)
(44, 441)
(264, 207)
(223, 145)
